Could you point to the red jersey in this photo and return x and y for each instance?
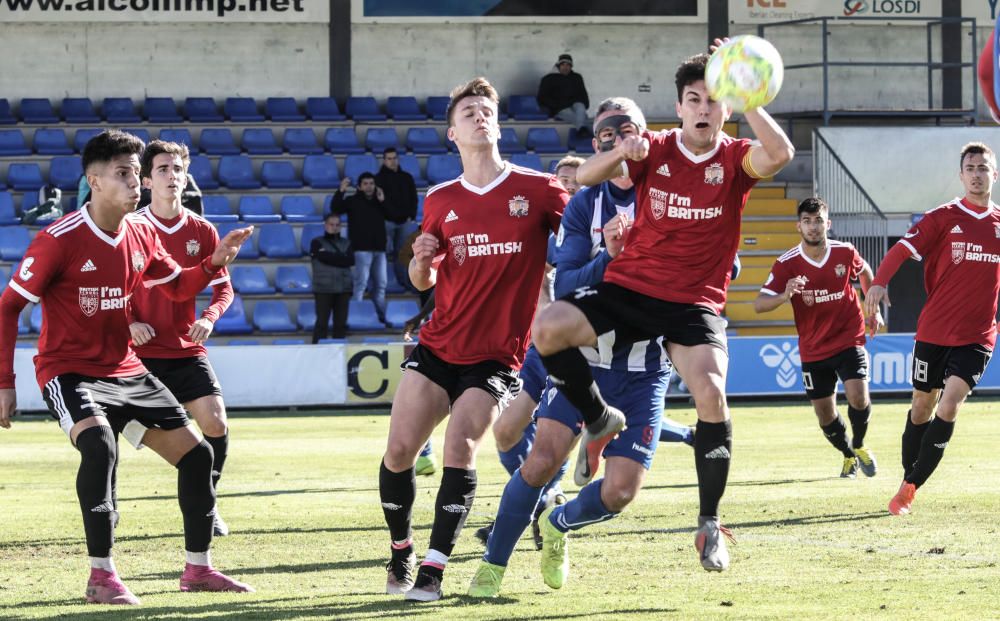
(494, 240)
(828, 316)
(83, 277)
(687, 221)
(189, 239)
(961, 245)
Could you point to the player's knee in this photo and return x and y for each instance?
(858, 402)
(194, 481)
(400, 455)
(710, 397)
(616, 498)
(548, 330)
(506, 435)
(214, 426)
(97, 447)
(539, 468)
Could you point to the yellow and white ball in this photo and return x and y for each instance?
(746, 72)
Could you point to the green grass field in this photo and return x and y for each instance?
(301, 495)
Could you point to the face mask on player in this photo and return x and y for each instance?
(610, 129)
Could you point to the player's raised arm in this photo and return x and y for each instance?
(422, 274)
(767, 301)
(608, 165)
(775, 150)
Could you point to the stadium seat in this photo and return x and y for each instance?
(218, 141)
(119, 110)
(342, 140)
(65, 172)
(404, 109)
(272, 316)
(257, 209)
(236, 172)
(377, 139)
(299, 209)
(216, 208)
(29, 200)
(161, 110)
(361, 317)
(6, 118)
(356, 164)
(138, 132)
(293, 279)
(320, 171)
(553, 164)
(245, 342)
(437, 107)
(179, 135)
(83, 136)
(424, 141)
(234, 320)
(260, 141)
(528, 160)
(279, 174)
(12, 143)
(363, 109)
(420, 207)
(301, 141)
(305, 316)
(392, 285)
(309, 232)
(201, 169)
(442, 168)
(35, 319)
(509, 142)
(51, 142)
(544, 140)
(249, 248)
(398, 311)
(323, 109)
(582, 145)
(288, 342)
(283, 110)
(8, 215)
(250, 280)
(37, 110)
(24, 177)
(525, 108)
(277, 241)
(410, 163)
(202, 110)
(14, 241)
(79, 110)
(242, 110)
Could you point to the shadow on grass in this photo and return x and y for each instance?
(263, 493)
(783, 521)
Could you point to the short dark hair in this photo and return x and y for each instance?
(331, 216)
(388, 150)
(812, 206)
(689, 72)
(108, 145)
(365, 175)
(477, 87)
(979, 148)
(159, 147)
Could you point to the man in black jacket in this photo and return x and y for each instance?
(366, 230)
(400, 200)
(332, 259)
(564, 95)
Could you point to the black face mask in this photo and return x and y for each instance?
(614, 122)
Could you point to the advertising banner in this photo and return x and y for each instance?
(763, 11)
(372, 371)
(166, 11)
(538, 11)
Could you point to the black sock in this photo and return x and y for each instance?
(836, 434)
(220, 447)
(397, 491)
(859, 424)
(454, 501)
(196, 496)
(98, 455)
(571, 374)
(912, 436)
(713, 445)
(931, 450)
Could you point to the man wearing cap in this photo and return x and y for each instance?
(563, 94)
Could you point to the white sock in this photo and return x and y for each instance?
(436, 558)
(106, 563)
(199, 558)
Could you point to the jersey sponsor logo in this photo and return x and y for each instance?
(784, 359)
(192, 247)
(88, 266)
(969, 251)
(677, 206)
(663, 170)
(452, 216)
(24, 273)
(820, 296)
(840, 270)
(479, 245)
(518, 206)
(93, 299)
(957, 230)
(714, 174)
(138, 260)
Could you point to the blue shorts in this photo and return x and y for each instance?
(533, 375)
(639, 395)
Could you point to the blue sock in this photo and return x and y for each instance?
(553, 484)
(513, 516)
(586, 508)
(427, 451)
(513, 458)
(672, 431)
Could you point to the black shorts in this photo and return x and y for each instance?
(819, 378)
(497, 379)
(188, 378)
(933, 364)
(143, 398)
(636, 317)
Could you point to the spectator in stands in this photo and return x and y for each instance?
(564, 95)
(332, 258)
(566, 173)
(400, 202)
(49, 206)
(366, 230)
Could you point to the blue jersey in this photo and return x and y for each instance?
(581, 259)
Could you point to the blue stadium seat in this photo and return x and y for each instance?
(277, 241)
(245, 342)
(118, 110)
(305, 316)
(404, 109)
(259, 141)
(320, 171)
(161, 110)
(342, 140)
(79, 110)
(410, 163)
(51, 142)
(138, 132)
(234, 320)
(249, 248)
(201, 170)
(309, 232)
(293, 279)
(582, 145)
(29, 200)
(553, 165)
(525, 108)
(356, 164)
(236, 172)
(242, 110)
(528, 160)
(509, 142)
(420, 207)
(392, 285)
(442, 168)
(361, 317)
(24, 177)
(301, 141)
(299, 209)
(180, 135)
(437, 107)
(250, 280)
(424, 140)
(378, 138)
(37, 110)
(83, 136)
(323, 109)
(363, 109)
(544, 140)
(12, 143)
(279, 174)
(6, 118)
(218, 141)
(398, 311)
(257, 209)
(283, 110)
(8, 215)
(288, 342)
(216, 208)
(14, 241)
(35, 319)
(272, 316)
(65, 172)
(202, 110)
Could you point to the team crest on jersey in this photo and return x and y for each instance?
(518, 206)
(458, 248)
(713, 174)
(808, 297)
(957, 252)
(193, 247)
(657, 202)
(138, 261)
(840, 270)
(89, 300)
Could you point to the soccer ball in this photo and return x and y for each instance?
(745, 72)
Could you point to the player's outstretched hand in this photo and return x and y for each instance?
(717, 44)
(614, 234)
(201, 330)
(8, 404)
(874, 323)
(795, 285)
(425, 248)
(142, 333)
(874, 298)
(634, 148)
(229, 246)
